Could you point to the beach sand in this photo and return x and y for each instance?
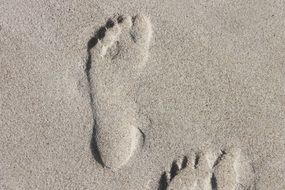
(142, 95)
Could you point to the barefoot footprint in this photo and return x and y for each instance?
(194, 175)
(226, 170)
(117, 54)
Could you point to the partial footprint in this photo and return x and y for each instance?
(195, 175)
(232, 171)
(226, 170)
(117, 54)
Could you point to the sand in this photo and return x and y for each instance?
(142, 95)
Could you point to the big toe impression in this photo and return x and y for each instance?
(142, 30)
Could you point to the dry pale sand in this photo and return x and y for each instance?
(142, 95)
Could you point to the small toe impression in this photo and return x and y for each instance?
(141, 30)
(104, 38)
(125, 21)
(110, 23)
(111, 36)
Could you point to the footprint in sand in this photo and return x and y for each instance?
(117, 54)
(224, 170)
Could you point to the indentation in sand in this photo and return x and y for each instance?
(223, 170)
(116, 56)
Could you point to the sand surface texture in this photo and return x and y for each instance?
(142, 95)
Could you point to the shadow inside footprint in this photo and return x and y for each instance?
(163, 182)
(210, 171)
(214, 184)
(94, 147)
(167, 177)
(99, 34)
(92, 43)
(116, 119)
